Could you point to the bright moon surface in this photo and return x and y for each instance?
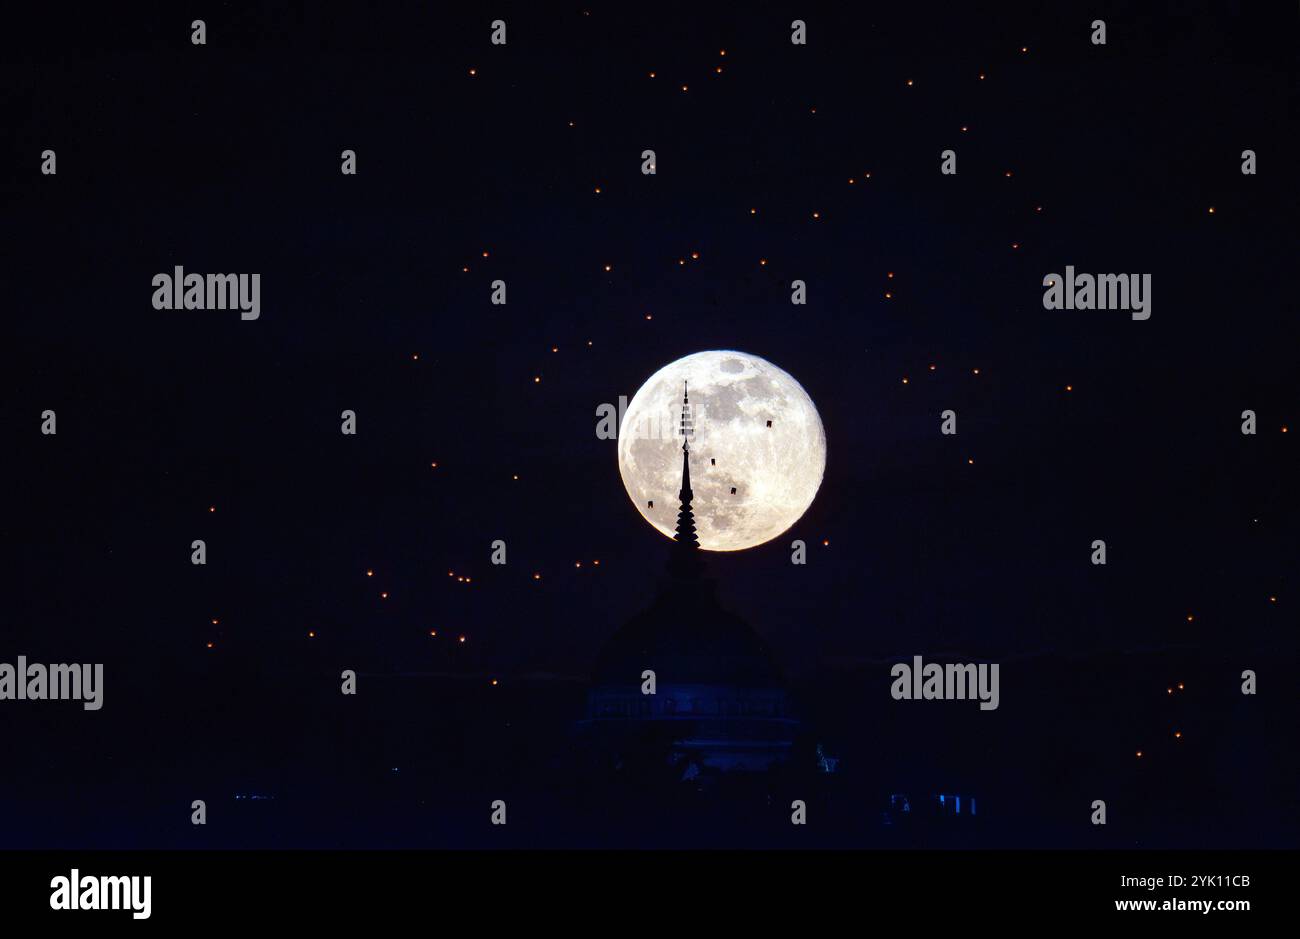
(775, 470)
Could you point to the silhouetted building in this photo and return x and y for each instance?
(719, 703)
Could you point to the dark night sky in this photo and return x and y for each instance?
(226, 158)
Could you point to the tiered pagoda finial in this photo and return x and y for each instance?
(685, 561)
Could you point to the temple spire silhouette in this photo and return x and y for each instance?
(685, 562)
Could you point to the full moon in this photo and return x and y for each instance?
(758, 450)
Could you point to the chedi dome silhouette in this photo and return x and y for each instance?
(685, 682)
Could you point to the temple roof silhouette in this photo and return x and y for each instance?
(687, 638)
